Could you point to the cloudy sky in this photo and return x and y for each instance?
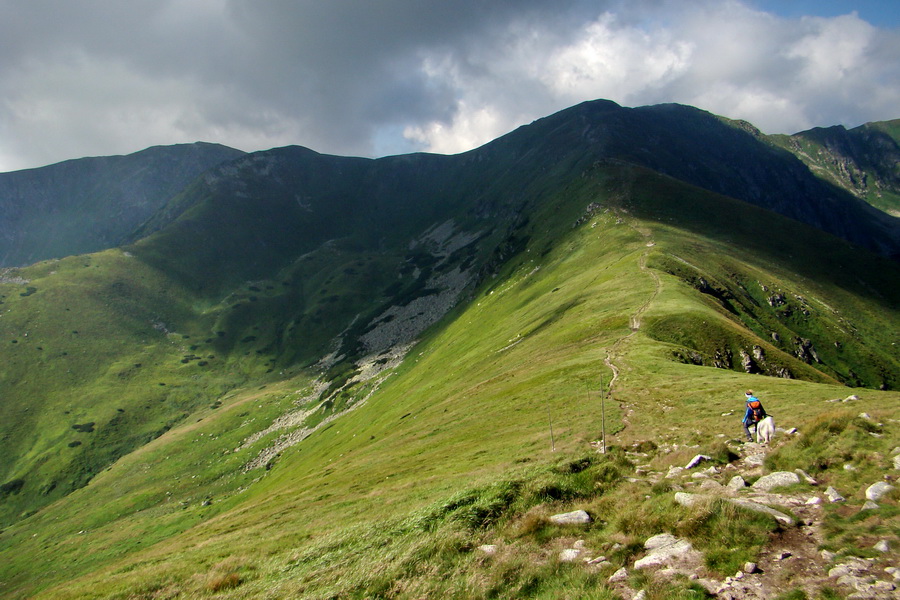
(377, 77)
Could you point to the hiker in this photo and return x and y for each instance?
(754, 414)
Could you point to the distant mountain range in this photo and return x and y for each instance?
(204, 351)
(89, 204)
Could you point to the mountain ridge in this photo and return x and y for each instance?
(299, 349)
(89, 204)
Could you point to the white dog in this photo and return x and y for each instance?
(765, 430)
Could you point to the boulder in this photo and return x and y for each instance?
(620, 575)
(777, 479)
(737, 483)
(662, 549)
(869, 505)
(877, 490)
(685, 499)
(576, 517)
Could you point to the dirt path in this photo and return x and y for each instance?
(614, 352)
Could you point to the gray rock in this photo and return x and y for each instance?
(488, 548)
(877, 490)
(882, 546)
(685, 499)
(710, 484)
(663, 548)
(737, 483)
(620, 575)
(576, 517)
(897, 461)
(869, 505)
(697, 460)
(806, 477)
(849, 467)
(674, 472)
(750, 568)
(833, 495)
(641, 595)
(773, 480)
(762, 508)
(851, 397)
(814, 500)
(569, 555)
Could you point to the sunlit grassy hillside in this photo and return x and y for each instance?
(620, 281)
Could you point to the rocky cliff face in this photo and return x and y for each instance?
(91, 204)
(865, 160)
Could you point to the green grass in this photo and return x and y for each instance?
(454, 449)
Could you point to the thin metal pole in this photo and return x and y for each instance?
(602, 414)
(552, 445)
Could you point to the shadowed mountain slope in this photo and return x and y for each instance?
(91, 204)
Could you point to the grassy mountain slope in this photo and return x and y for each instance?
(864, 160)
(91, 204)
(451, 447)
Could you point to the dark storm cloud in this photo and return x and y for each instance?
(82, 77)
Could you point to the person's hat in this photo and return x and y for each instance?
(749, 392)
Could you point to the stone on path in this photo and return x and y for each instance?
(777, 479)
(869, 505)
(814, 500)
(877, 490)
(833, 495)
(620, 575)
(882, 546)
(685, 499)
(762, 508)
(576, 517)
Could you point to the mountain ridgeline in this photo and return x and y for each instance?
(90, 204)
(260, 304)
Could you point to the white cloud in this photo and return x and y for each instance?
(784, 75)
(352, 78)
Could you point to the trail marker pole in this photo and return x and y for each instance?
(602, 415)
(552, 445)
